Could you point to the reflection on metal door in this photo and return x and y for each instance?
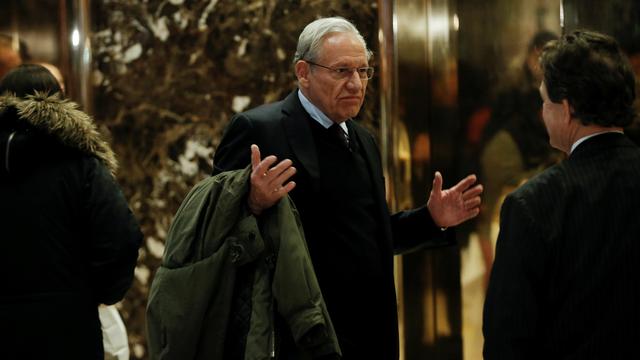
(446, 70)
(419, 97)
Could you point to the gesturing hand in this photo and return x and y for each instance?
(455, 205)
(268, 183)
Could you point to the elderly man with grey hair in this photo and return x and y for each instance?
(330, 166)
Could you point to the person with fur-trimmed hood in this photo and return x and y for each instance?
(69, 240)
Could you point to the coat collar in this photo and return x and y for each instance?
(600, 142)
(296, 124)
(62, 120)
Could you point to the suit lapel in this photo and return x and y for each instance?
(370, 153)
(296, 124)
(295, 121)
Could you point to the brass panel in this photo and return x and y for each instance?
(418, 98)
(451, 70)
(56, 32)
(75, 41)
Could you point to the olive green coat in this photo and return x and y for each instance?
(211, 236)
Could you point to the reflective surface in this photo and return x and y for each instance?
(502, 136)
(54, 32)
(463, 80)
(34, 27)
(420, 129)
(76, 46)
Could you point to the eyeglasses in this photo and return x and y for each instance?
(364, 73)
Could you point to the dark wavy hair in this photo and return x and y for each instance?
(589, 70)
(26, 79)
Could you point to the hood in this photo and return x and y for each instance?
(56, 119)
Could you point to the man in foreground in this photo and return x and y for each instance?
(332, 169)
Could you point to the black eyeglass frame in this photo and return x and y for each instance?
(342, 72)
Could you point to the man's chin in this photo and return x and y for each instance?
(351, 114)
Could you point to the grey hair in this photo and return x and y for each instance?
(311, 37)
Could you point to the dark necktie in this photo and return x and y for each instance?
(339, 133)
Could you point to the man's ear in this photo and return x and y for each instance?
(302, 73)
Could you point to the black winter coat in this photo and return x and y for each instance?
(69, 240)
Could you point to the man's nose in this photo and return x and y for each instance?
(354, 82)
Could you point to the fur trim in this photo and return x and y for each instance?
(62, 119)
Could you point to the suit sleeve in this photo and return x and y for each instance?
(512, 307)
(114, 237)
(234, 151)
(414, 229)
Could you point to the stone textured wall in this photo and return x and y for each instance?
(168, 76)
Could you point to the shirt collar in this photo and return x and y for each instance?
(318, 115)
(582, 139)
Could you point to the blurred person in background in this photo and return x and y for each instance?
(70, 241)
(55, 71)
(517, 145)
(9, 56)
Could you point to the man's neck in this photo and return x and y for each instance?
(587, 131)
(317, 114)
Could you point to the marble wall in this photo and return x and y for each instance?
(168, 76)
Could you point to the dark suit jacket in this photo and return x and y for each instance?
(565, 280)
(283, 129)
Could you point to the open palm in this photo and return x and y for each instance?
(453, 206)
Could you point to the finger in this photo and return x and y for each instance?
(471, 214)
(467, 215)
(475, 191)
(255, 156)
(264, 166)
(289, 186)
(465, 183)
(463, 216)
(437, 183)
(472, 203)
(282, 166)
(281, 191)
(284, 176)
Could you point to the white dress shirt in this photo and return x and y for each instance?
(318, 115)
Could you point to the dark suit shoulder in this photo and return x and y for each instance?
(542, 184)
(543, 196)
(261, 126)
(263, 113)
(605, 169)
